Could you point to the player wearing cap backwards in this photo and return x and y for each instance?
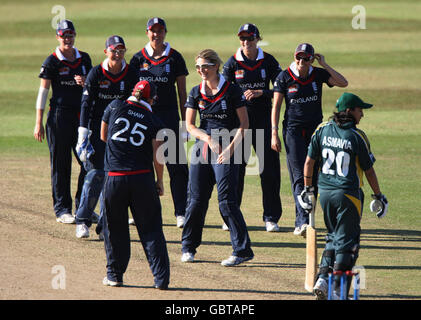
(344, 152)
(129, 128)
(301, 87)
(164, 66)
(112, 79)
(253, 70)
(65, 71)
(223, 119)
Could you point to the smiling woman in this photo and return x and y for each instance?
(301, 86)
(165, 67)
(221, 107)
(110, 80)
(65, 70)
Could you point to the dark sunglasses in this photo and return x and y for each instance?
(67, 36)
(249, 38)
(307, 58)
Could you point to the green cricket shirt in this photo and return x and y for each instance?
(344, 152)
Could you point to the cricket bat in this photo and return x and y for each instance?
(311, 251)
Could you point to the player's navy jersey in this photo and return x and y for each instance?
(131, 128)
(255, 75)
(303, 97)
(102, 87)
(344, 152)
(163, 73)
(66, 92)
(217, 111)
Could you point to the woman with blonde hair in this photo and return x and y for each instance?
(223, 119)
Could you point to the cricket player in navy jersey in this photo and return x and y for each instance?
(221, 106)
(345, 155)
(65, 70)
(301, 86)
(253, 70)
(130, 128)
(110, 80)
(162, 65)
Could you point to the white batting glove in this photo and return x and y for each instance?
(379, 205)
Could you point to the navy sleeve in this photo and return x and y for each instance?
(107, 113)
(228, 70)
(280, 83)
(191, 100)
(134, 62)
(87, 62)
(323, 76)
(238, 100)
(157, 125)
(90, 91)
(133, 78)
(274, 68)
(48, 69)
(180, 65)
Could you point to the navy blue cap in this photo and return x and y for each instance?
(114, 41)
(306, 48)
(250, 28)
(65, 26)
(154, 21)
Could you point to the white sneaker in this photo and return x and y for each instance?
(82, 231)
(180, 221)
(66, 218)
(234, 260)
(301, 231)
(187, 257)
(320, 289)
(110, 283)
(271, 226)
(225, 227)
(131, 222)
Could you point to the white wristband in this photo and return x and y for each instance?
(42, 98)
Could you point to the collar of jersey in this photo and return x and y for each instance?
(105, 65)
(60, 56)
(141, 102)
(239, 56)
(293, 68)
(220, 84)
(149, 49)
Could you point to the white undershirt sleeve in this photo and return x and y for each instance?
(42, 98)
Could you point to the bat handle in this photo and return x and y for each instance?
(311, 214)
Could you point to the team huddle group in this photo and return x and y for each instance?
(109, 116)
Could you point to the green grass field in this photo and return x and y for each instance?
(382, 64)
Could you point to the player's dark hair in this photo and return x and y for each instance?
(342, 117)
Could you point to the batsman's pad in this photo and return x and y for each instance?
(379, 205)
